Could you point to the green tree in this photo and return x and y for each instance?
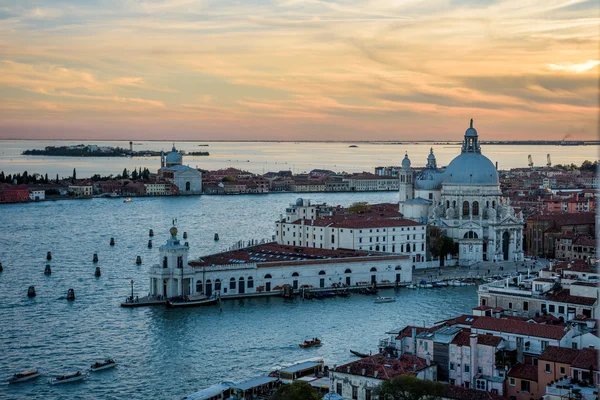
(134, 174)
(74, 174)
(228, 179)
(296, 391)
(2, 177)
(406, 387)
(358, 207)
(46, 178)
(125, 174)
(56, 178)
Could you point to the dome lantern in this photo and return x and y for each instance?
(406, 161)
(471, 142)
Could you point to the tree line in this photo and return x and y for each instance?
(27, 178)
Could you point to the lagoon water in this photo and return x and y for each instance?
(259, 157)
(162, 353)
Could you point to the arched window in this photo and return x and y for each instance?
(268, 276)
(471, 235)
(494, 204)
(321, 272)
(165, 264)
(447, 203)
(188, 186)
(377, 248)
(414, 247)
(199, 287)
(393, 248)
(348, 271)
(250, 282)
(332, 238)
(475, 208)
(241, 279)
(373, 269)
(398, 268)
(465, 208)
(232, 284)
(295, 274)
(217, 284)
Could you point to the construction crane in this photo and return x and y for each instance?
(530, 161)
(548, 161)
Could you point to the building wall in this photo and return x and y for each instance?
(513, 389)
(557, 371)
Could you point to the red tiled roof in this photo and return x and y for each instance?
(407, 332)
(519, 327)
(357, 222)
(524, 371)
(464, 319)
(564, 296)
(586, 359)
(563, 355)
(386, 368)
(463, 338)
(272, 254)
(482, 308)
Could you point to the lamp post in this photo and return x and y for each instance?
(131, 289)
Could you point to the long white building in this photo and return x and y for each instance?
(267, 268)
(321, 227)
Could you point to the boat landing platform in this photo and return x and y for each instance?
(143, 302)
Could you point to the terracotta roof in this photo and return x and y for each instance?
(564, 296)
(524, 371)
(589, 284)
(461, 393)
(482, 308)
(464, 319)
(463, 338)
(563, 355)
(586, 359)
(356, 222)
(385, 367)
(407, 332)
(519, 327)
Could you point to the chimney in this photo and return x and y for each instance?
(415, 367)
(363, 372)
(375, 373)
(428, 361)
(348, 370)
(414, 340)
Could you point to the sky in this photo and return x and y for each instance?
(299, 69)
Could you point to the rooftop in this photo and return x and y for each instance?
(564, 296)
(524, 371)
(381, 367)
(519, 327)
(270, 254)
(259, 381)
(586, 359)
(461, 393)
(563, 355)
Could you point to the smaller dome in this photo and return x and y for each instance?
(431, 156)
(406, 161)
(471, 131)
(173, 231)
(299, 201)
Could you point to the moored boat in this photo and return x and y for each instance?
(191, 301)
(357, 354)
(385, 300)
(127, 200)
(74, 377)
(24, 376)
(106, 364)
(310, 343)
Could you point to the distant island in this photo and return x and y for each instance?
(98, 151)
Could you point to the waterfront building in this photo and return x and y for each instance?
(544, 229)
(187, 179)
(13, 193)
(379, 228)
(267, 268)
(159, 189)
(82, 189)
(359, 379)
(565, 290)
(37, 194)
(575, 247)
(465, 201)
(363, 182)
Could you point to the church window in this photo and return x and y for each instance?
(471, 235)
(475, 208)
(250, 282)
(494, 204)
(188, 186)
(465, 208)
(217, 284)
(430, 196)
(165, 264)
(447, 203)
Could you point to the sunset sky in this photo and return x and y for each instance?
(299, 69)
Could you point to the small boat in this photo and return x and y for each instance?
(106, 364)
(77, 376)
(385, 300)
(357, 354)
(191, 301)
(412, 286)
(24, 376)
(127, 200)
(368, 291)
(310, 343)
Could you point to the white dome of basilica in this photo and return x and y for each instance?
(174, 157)
(471, 169)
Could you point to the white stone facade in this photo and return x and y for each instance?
(465, 201)
(36, 195)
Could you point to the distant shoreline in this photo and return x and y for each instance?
(388, 142)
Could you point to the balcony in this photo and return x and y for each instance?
(569, 389)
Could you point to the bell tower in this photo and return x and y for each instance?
(406, 177)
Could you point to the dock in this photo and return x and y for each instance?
(143, 302)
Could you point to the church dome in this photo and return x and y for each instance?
(174, 157)
(471, 131)
(429, 179)
(471, 169)
(406, 162)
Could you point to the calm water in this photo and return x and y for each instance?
(271, 156)
(166, 354)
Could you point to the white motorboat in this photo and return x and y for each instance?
(74, 377)
(412, 286)
(106, 364)
(127, 200)
(24, 376)
(385, 300)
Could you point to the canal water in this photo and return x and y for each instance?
(166, 354)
